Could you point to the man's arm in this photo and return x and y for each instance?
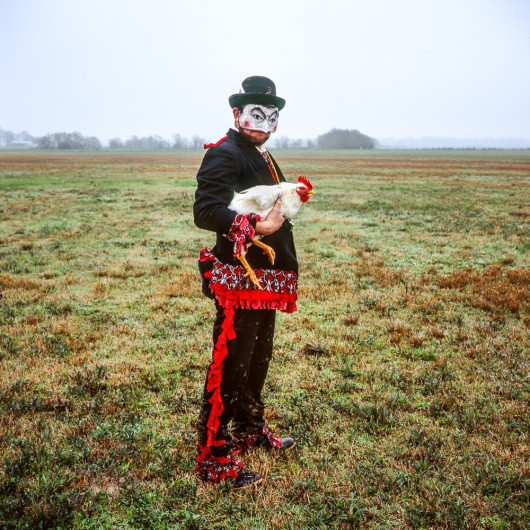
(217, 180)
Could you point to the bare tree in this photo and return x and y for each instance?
(6, 137)
(179, 142)
(116, 143)
(197, 142)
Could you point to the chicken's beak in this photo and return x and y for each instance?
(311, 192)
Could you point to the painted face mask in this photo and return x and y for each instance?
(259, 118)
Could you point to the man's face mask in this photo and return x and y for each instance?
(259, 118)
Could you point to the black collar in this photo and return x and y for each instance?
(250, 150)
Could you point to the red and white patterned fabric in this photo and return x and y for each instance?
(248, 442)
(232, 289)
(216, 469)
(241, 232)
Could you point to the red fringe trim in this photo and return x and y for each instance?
(214, 468)
(215, 375)
(207, 146)
(230, 299)
(254, 299)
(247, 297)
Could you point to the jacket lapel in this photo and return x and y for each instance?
(254, 157)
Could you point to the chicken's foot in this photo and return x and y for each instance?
(250, 273)
(269, 251)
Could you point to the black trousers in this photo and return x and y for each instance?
(243, 372)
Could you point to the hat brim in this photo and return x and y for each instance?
(238, 100)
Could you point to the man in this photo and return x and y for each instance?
(243, 330)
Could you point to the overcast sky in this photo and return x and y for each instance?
(390, 68)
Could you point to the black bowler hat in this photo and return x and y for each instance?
(259, 90)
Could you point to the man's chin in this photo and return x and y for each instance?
(254, 137)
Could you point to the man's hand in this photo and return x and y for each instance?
(272, 222)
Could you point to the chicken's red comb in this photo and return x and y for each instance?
(305, 182)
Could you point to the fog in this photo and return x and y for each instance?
(116, 68)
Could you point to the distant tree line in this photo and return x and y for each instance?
(334, 139)
(60, 140)
(10, 138)
(345, 139)
(63, 140)
(284, 142)
(152, 143)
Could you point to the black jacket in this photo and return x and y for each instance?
(235, 165)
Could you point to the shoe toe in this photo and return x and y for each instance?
(245, 479)
(287, 443)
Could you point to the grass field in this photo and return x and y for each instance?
(403, 377)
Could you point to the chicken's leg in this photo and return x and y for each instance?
(269, 251)
(250, 273)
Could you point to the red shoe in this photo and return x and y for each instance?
(246, 442)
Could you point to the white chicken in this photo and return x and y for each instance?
(260, 200)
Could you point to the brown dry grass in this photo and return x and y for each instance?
(403, 377)
(494, 289)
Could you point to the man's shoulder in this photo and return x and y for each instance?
(225, 154)
(225, 144)
(228, 148)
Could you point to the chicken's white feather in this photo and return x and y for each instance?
(255, 200)
(260, 200)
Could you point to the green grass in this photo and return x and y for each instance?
(403, 377)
